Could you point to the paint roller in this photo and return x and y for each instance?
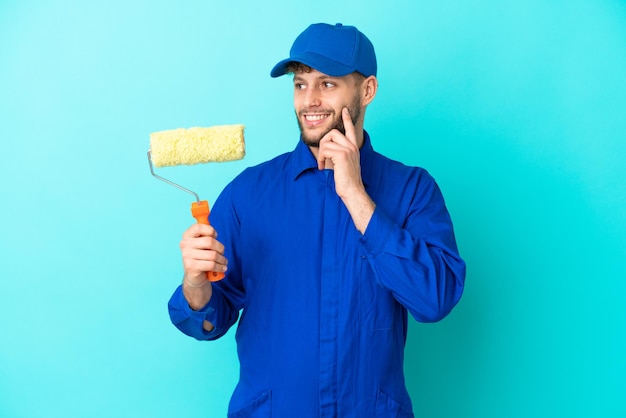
(196, 146)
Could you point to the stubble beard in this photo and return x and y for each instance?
(313, 140)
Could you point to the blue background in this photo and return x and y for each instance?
(517, 109)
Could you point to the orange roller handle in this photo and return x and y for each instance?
(200, 211)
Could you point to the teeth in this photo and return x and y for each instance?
(314, 118)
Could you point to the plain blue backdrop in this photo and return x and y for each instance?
(517, 108)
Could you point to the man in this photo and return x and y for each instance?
(325, 250)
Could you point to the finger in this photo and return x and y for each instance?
(194, 267)
(196, 261)
(200, 230)
(201, 257)
(336, 148)
(348, 125)
(322, 150)
(329, 146)
(202, 243)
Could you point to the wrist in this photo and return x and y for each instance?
(197, 291)
(361, 209)
(195, 285)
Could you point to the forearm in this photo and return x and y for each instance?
(361, 208)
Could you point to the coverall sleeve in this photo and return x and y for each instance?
(223, 308)
(190, 322)
(415, 255)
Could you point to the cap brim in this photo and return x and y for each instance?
(317, 62)
(280, 68)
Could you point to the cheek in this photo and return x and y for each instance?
(341, 101)
(298, 100)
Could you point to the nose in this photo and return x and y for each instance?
(311, 97)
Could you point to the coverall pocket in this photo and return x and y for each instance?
(388, 408)
(261, 407)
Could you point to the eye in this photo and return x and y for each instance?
(299, 86)
(329, 84)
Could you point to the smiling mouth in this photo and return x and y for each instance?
(316, 117)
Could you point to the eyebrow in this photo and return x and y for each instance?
(297, 77)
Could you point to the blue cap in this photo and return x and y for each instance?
(333, 50)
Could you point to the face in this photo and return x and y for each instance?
(318, 101)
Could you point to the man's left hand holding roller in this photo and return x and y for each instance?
(201, 252)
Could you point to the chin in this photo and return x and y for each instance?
(315, 143)
(312, 139)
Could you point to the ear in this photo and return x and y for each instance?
(369, 89)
